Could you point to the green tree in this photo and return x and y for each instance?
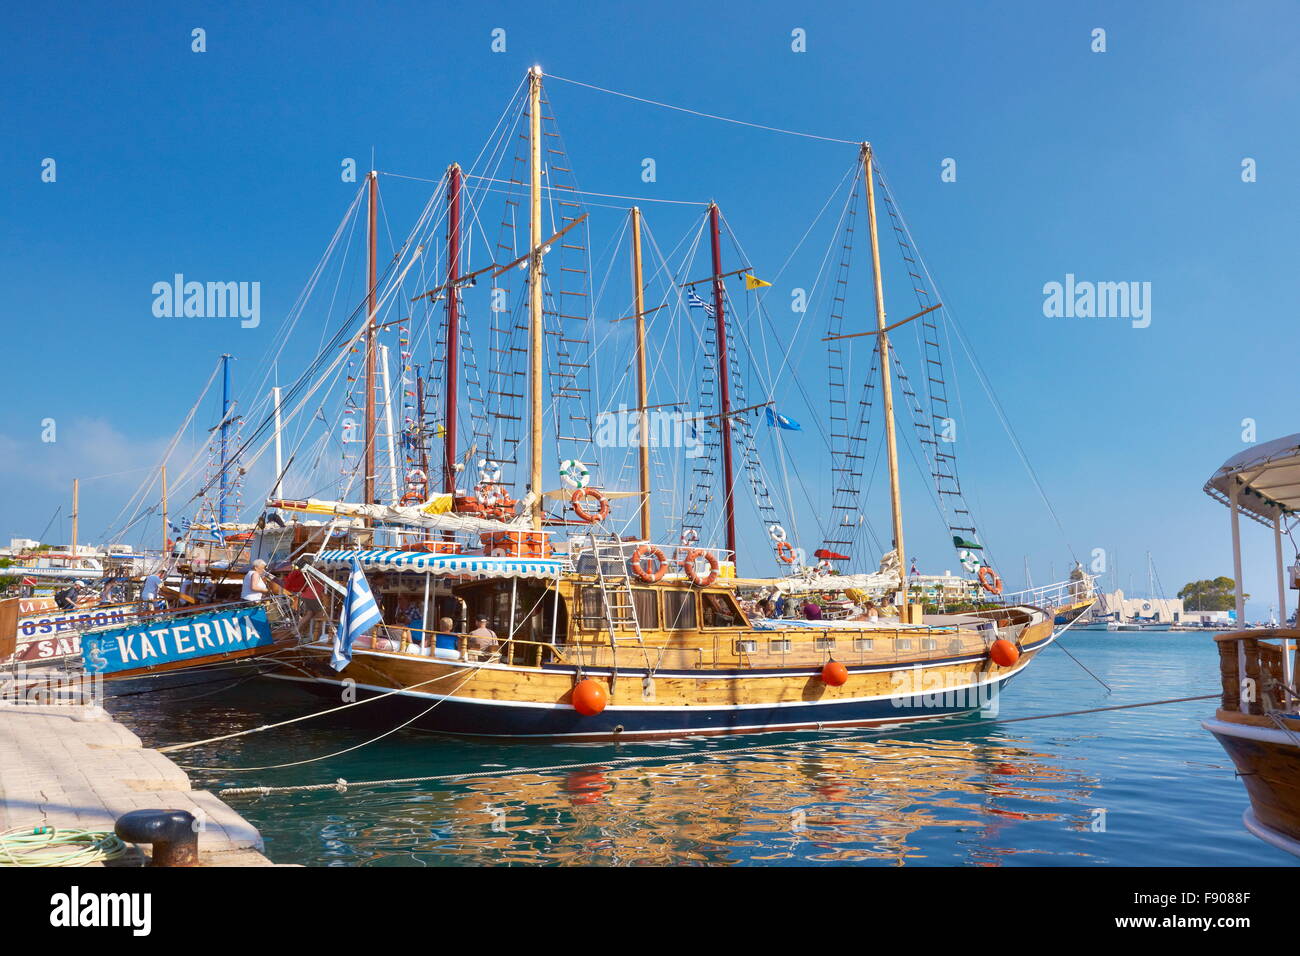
(1217, 594)
(7, 580)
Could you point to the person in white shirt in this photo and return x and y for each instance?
(255, 582)
(149, 593)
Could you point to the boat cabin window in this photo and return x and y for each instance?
(536, 615)
(679, 610)
(591, 607)
(720, 610)
(647, 608)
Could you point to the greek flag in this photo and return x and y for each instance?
(695, 302)
(360, 614)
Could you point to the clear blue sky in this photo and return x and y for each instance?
(1115, 166)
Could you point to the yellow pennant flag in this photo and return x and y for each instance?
(753, 282)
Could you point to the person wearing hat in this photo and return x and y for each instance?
(68, 598)
(256, 582)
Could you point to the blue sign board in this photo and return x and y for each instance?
(164, 640)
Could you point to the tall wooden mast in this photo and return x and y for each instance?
(453, 328)
(535, 290)
(886, 381)
(166, 550)
(724, 382)
(642, 389)
(368, 462)
(76, 490)
(224, 482)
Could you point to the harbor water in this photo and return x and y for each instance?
(1142, 786)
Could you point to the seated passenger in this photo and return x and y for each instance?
(718, 611)
(482, 639)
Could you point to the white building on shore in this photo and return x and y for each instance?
(1116, 606)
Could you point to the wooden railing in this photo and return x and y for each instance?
(1252, 672)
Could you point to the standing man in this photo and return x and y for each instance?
(149, 592)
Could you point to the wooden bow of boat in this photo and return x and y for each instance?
(1258, 725)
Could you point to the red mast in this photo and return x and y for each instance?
(453, 327)
(368, 480)
(724, 382)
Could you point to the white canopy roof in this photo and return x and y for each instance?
(1266, 476)
(479, 566)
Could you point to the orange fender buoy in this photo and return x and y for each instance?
(834, 674)
(1004, 653)
(589, 698)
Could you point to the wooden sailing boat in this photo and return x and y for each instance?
(1258, 720)
(601, 641)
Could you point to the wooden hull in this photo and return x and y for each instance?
(53, 635)
(1268, 759)
(496, 700)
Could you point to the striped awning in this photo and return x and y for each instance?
(452, 565)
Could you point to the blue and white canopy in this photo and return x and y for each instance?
(480, 566)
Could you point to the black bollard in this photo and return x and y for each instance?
(172, 834)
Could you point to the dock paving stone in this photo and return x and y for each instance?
(67, 767)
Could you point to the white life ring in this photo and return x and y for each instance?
(777, 533)
(416, 477)
(689, 537)
(574, 473)
(489, 472)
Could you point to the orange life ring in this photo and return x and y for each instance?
(784, 552)
(412, 497)
(602, 511)
(989, 580)
(639, 566)
(692, 572)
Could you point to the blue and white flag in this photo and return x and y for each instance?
(360, 614)
(789, 424)
(695, 302)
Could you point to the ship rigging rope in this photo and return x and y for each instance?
(714, 116)
(342, 785)
(979, 370)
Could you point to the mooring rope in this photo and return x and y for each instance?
(340, 785)
(55, 846)
(318, 713)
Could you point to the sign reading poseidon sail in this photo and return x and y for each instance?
(169, 640)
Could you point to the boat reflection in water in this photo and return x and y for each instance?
(826, 801)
